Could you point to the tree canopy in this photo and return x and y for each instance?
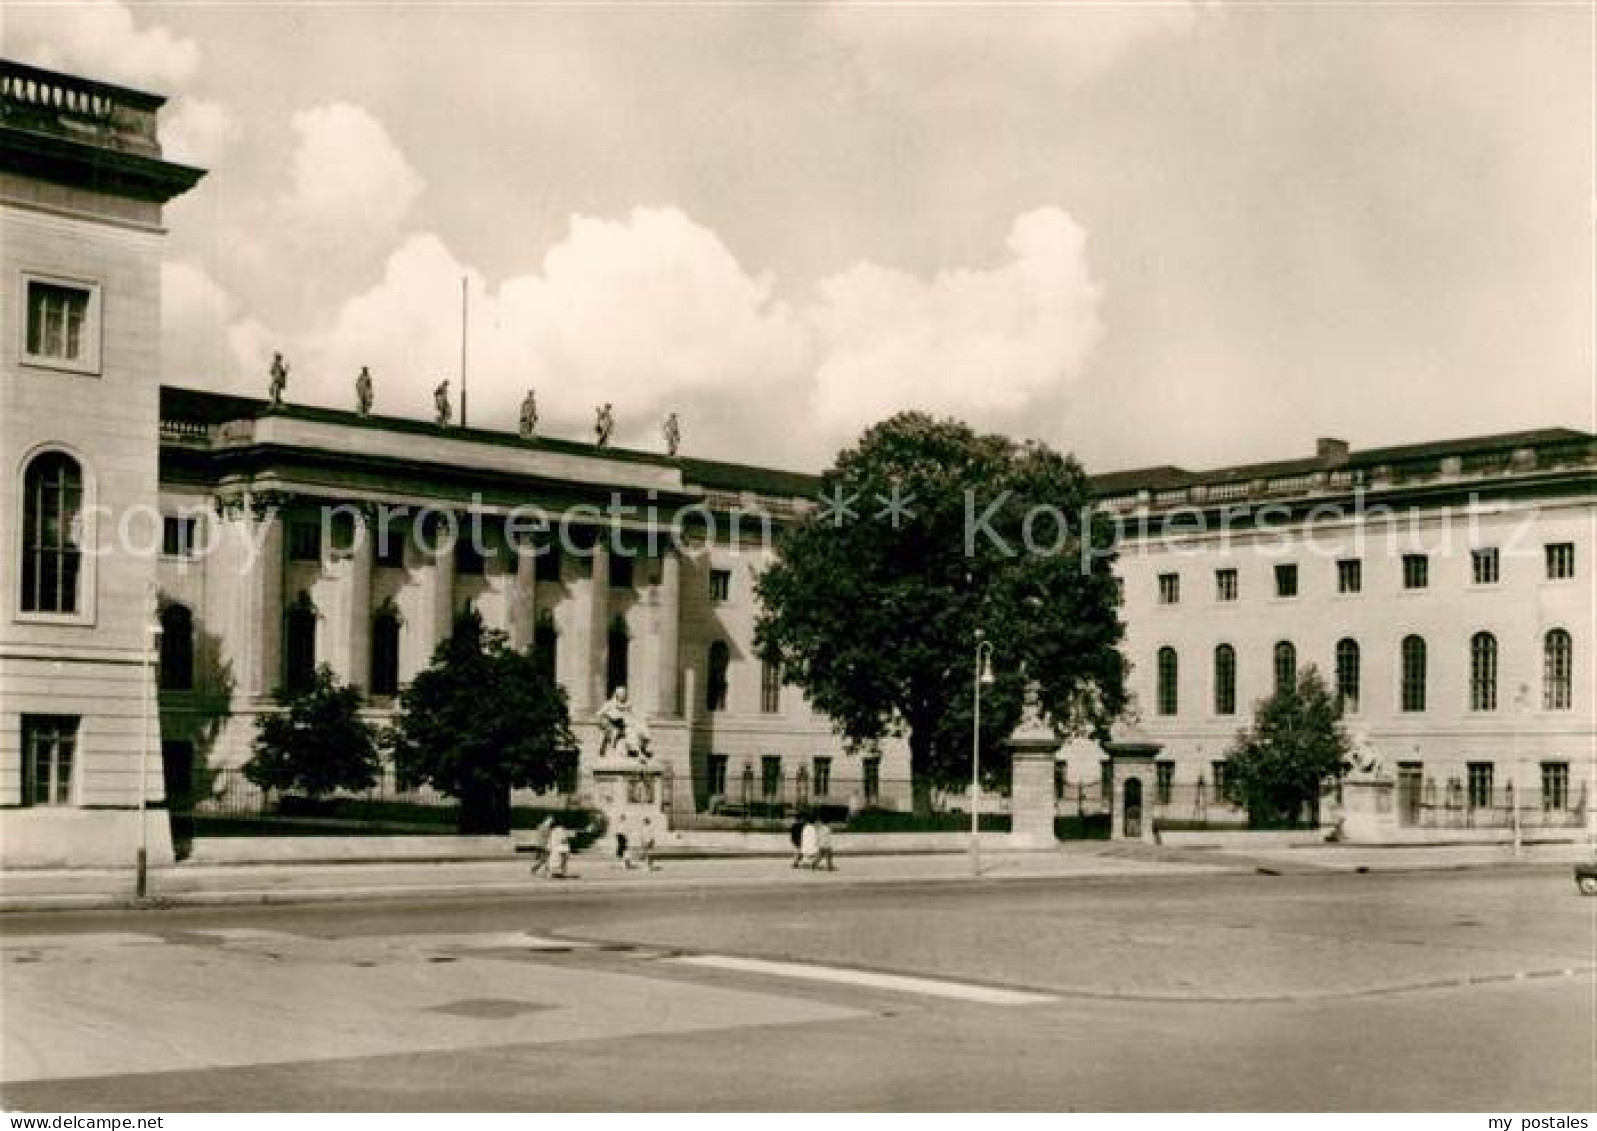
(928, 535)
(317, 744)
(481, 720)
(1296, 743)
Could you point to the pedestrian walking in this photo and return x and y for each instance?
(823, 841)
(538, 844)
(795, 833)
(810, 845)
(559, 852)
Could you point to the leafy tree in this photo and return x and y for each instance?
(876, 616)
(1296, 743)
(482, 720)
(317, 744)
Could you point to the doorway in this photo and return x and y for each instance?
(1131, 810)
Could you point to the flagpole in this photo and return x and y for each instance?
(463, 351)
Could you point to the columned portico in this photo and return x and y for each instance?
(265, 594)
(441, 597)
(594, 613)
(523, 598)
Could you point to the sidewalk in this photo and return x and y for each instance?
(243, 885)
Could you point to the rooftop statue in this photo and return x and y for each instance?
(604, 423)
(441, 403)
(529, 415)
(672, 430)
(364, 392)
(279, 380)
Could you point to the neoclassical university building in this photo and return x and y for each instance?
(173, 558)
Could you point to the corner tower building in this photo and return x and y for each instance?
(82, 186)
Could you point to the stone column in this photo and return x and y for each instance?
(667, 629)
(524, 599)
(442, 595)
(358, 602)
(597, 622)
(1031, 797)
(266, 594)
(1368, 813)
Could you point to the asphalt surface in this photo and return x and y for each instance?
(1426, 991)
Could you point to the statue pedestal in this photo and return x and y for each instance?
(1031, 796)
(631, 795)
(1369, 815)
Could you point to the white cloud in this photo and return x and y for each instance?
(198, 130)
(950, 53)
(206, 341)
(100, 39)
(349, 179)
(653, 312)
(977, 343)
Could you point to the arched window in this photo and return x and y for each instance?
(1413, 656)
(618, 643)
(299, 645)
(1225, 680)
(1483, 672)
(385, 650)
(1167, 696)
(177, 648)
(1347, 673)
(1286, 665)
(715, 683)
(1558, 671)
(546, 647)
(52, 560)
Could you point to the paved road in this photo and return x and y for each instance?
(1470, 990)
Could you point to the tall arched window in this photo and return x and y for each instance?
(385, 650)
(1347, 673)
(1286, 665)
(1558, 671)
(546, 647)
(1483, 672)
(1225, 680)
(1413, 657)
(618, 643)
(1168, 698)
(177, 648)
(715, 683)
(52, 560)
(299, 645)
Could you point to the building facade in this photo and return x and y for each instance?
(233, 545)
(82, 185)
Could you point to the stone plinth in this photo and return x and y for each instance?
(630, 793)
(1031, 805)
(1369, 814)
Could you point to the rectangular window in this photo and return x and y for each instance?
(304, 542)
(822, 773)
(715, 775)
(1349, 576)
(771, 776)
(1225, 585)
(1169, 588)
(1555, 785)
(178, 535)
(1560, 560)
(1106, 781)
(770, 687)
(1222, 779)
(1416, 571)
(1483, 565)
(63, 325)
(389, 548)
(873, 780)
(1286, 580)
(720, 585)
(622, 570)
(49, 749)
(546, 566)
(1480, 785)
(470, 560)
(1164, 781)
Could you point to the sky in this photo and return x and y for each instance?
(1152, 233)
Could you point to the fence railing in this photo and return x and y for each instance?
(1456, 806)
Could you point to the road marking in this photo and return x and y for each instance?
(86, 941)
(246, 934)
(901, 983)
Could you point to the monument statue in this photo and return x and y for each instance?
(621, 728)
(1364, 761)
(529, 415)
(441, 403)
(672, 430)
(279, 381)
(604, 423)
(364, 393)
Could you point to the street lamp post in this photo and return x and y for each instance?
(983, 677)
